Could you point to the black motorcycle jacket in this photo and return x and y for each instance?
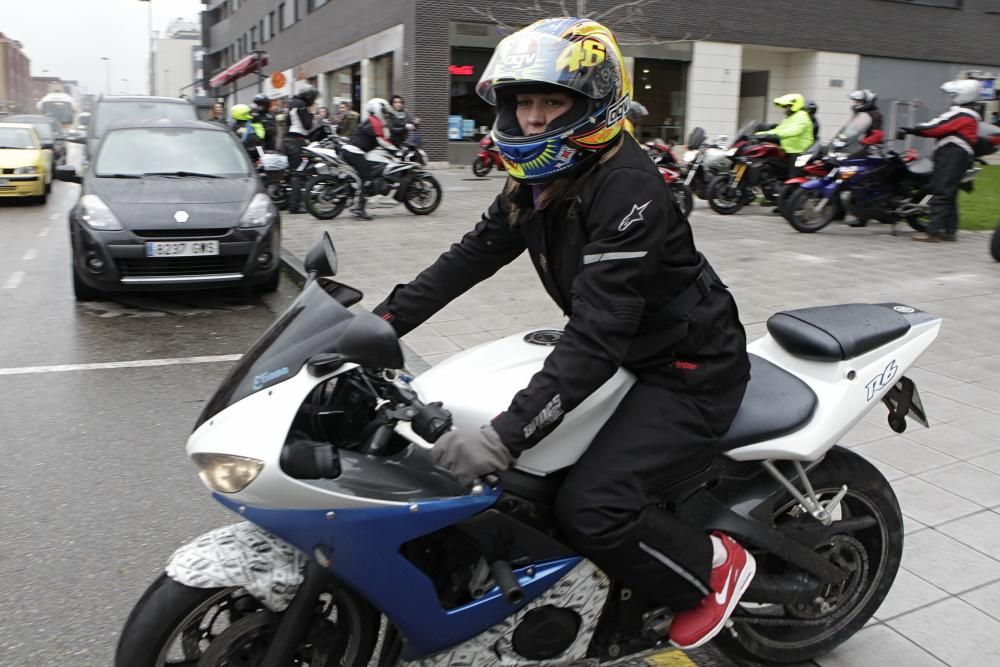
(267, 119)
(619, 259)
(364, 136)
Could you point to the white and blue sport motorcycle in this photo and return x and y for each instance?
(352, 540)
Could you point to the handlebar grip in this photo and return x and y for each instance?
(503, 575)
(431, 421)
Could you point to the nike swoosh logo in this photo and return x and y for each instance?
(720, 597)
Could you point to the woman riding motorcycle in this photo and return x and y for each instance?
(614, 253)
(866, 102)
(370, 134)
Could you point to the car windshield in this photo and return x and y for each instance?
(109, 113)
(43, 128)
(17, 137)
(167, 151)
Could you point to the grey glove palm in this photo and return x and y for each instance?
(470, 454)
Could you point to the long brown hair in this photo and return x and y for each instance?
(564, 188)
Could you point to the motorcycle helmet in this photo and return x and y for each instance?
(377, 107)
(962, 91)
(575, 56)
(260, 99)
(863, 100)
(636, 110)
(241, 112)
(308, 95)
(811, 108)
(791, 102)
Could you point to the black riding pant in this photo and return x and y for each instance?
(950, 164)
(360, 164)
(606, 506)
(293, 146)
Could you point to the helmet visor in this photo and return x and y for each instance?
(583, 65)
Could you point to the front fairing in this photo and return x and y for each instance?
(310, 326)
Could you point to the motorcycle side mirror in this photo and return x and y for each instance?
(370, 341)
(322, 259)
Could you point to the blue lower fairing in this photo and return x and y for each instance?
(365, 547)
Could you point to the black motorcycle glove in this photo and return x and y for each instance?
(903, 131)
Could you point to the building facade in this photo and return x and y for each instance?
(713, 64)
(176, 60)
(15, 77)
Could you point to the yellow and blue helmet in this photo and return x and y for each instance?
(582, 58)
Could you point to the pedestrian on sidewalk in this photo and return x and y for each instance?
(614, 253)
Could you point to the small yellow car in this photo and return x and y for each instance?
(25, 167)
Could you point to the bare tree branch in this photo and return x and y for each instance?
(619, 7)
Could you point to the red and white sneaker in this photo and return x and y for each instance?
(729, 581)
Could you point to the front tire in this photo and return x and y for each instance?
(777, 634)
(721, 199)
(801, 213)
(177, 624)
(481, 167)
(683, 196)
(423, 195)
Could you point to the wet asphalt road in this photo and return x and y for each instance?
(96, 490)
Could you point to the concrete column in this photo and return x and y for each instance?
(713, 89)
(366, 85)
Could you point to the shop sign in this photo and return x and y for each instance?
(460, 70)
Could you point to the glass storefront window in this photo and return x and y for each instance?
(467, 65)
(381, 73)
(660, 85)
(345, 84)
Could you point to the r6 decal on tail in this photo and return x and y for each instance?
(882, 380)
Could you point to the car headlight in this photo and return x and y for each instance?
(26, 170)
(226, 473)
(260, 212)
(803, 159)
(97, 215)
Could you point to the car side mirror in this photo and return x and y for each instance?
(67, 174)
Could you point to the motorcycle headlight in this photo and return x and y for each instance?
(226, 473)
(96, 214)
(26, 170)
(260, 212)
(803, 159)
(731, 152)
(689, 156)
(846, 172)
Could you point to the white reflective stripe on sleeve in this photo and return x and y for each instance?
(681, 572)
(590, 259)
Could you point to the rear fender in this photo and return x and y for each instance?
(243, 555)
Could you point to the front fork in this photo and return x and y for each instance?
(297, 619)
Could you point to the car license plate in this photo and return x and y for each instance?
(181, 248)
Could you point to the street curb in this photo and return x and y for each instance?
(296, 270)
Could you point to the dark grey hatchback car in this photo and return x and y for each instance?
(171, 205)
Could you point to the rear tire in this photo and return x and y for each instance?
(869, 494)
(720, 203)
(481, 167)
(171, 615)
(800, 211)
(326, 196)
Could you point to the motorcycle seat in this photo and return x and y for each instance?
(776, 403)
(836, 333)
(922, 167)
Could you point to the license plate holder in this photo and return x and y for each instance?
(903, 400)
(157, 249)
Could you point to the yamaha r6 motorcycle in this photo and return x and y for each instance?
(320, 445)
(760, 167)
(397, 173)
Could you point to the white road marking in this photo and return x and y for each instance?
(30, 255)
(43, 232)
(14, 280)
(139, 363)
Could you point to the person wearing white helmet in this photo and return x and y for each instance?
(956, 131)
(370, 134)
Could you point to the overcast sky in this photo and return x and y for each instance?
(69, 37)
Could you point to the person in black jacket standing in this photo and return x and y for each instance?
(614, 252)
(300, 124)
(262, 114)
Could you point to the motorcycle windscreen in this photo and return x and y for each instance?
(312, 325)
(851, 134)
(747, 129)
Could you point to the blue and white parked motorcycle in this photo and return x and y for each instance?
(350, 534)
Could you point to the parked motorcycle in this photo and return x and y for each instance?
(487, 158)
(320, 444)
(759, 170)
(273, 167)
(395, 173)
(704, 161)
(889, 188)
(672, 173)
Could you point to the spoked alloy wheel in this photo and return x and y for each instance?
(683, 196)
(278, 195)
(175, 625)
(423, 195)
(775, 633)
(326, 196)
(481, 167)
(808, 211)
(724, 197)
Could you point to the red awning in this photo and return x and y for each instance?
(240, 68)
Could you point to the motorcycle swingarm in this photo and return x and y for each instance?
(243, 555)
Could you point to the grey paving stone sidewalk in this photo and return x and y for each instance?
(945, 605)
